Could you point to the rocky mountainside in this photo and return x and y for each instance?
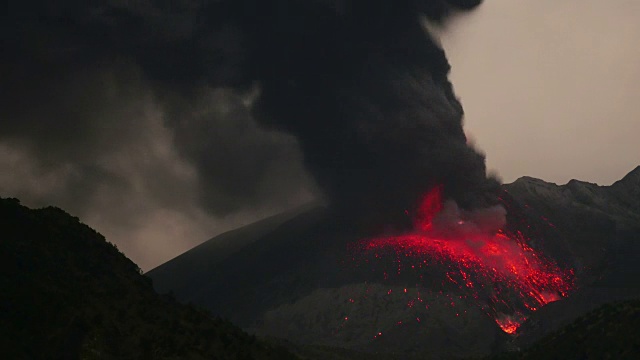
(590, 225)
(293, 276)
(595, 229)
(69, 294)
(608, 332)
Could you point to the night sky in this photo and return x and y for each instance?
(163, 125)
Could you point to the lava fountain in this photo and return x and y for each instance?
(470, 253)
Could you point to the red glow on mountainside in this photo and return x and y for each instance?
(506, 277)
(509, 326)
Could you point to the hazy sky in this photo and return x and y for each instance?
(157, 164)
(551, 88)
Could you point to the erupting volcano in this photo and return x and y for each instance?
(470, 251)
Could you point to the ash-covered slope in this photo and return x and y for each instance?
(296, 281)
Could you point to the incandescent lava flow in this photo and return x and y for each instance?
(470, 254)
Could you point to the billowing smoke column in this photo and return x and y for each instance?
(364, 88)
(359, 83)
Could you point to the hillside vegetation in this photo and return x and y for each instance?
(69, 294)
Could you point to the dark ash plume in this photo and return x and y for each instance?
(359, 83)
(78, 79)
(364, 88)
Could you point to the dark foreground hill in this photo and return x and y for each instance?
(287, 277)
(66, 293)
(609, 332)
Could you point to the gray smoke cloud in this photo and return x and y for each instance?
(153, 164)
(456, 222)
(365, 91)
(100, 146)
(135, 112)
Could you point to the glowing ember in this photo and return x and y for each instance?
(499, 270)
(508, 325)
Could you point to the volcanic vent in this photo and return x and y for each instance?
(470, 251)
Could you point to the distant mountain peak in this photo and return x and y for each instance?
(632, 177)
(531, 179)
(576, 182)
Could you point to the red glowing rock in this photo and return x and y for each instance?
(516, 277)
(507, 325)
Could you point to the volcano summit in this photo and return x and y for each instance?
(312, 279)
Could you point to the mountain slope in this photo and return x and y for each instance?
(591, 225)
(596, 230)
(609, 332)
(67, 293)
(202, 257)
(297, 281)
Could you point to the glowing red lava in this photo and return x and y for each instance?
(507, 277)
(507, 325)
